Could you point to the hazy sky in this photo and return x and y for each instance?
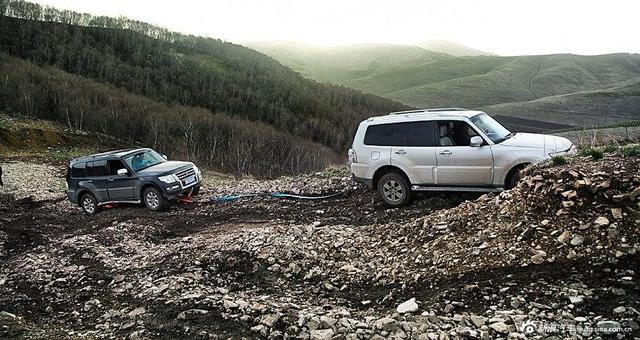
(508, 27)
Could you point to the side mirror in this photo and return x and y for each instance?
(122, 172)
(165, 157)
(476, 142)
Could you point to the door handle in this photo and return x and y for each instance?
(110, 179)
(445, 152)
(400, 152)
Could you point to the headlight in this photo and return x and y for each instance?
(197, 171)
(168, 179)
(570, 150)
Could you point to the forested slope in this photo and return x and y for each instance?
(170, 69)
(218, 141)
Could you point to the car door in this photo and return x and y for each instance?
(414, 150)
(458, 163)
(121, 187)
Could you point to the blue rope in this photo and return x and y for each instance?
(228, 198)
(280, 195)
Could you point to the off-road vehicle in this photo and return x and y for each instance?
(129, 176)
(444, 150)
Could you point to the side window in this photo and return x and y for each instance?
(414, 134)
(114, 165)
(381, 135)
(98, 169)
(78, 170)
(455, 133)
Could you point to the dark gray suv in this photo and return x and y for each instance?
(129, 176)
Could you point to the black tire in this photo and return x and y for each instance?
(394, 190)
(154, 200)
(89, 204)
(514, 177)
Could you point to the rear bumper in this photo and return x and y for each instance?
(71, 195)
(366, 181)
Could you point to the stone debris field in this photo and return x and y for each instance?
(556, 257)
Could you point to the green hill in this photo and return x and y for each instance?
(429, 79)
(230, 82)
(618, 103)
(342, 64)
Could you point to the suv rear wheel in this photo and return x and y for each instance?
(89, 204)
(154, 200)
(394, 190)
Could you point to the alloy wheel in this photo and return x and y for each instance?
(89, 205)
(152, 200)
(393, 191)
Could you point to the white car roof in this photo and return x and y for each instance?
(423, 114)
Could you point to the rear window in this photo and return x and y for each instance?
(78, 170)
(414, 134)
(381, 135)
(401, 134)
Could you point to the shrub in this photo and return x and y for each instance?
(558, 160)
(593, 152)
(631, 150)
(611, 148)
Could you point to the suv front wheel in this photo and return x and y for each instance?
(154, 200)
(394, 190)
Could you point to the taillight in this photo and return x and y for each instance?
(353, 158)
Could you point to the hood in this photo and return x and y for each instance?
(165, 168)
(532, 140)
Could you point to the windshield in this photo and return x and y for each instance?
(496, 132)
(143, 159)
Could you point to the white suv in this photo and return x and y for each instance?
(444, 150)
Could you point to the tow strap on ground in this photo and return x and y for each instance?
(227, 198)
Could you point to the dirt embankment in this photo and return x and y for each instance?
(559, 252)
(47, 140)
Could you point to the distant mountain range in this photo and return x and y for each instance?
(550, 91)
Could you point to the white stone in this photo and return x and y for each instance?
(408, 306)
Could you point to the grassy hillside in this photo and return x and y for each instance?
(588, 108)
(425, 79)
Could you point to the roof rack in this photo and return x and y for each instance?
(103, 154)
(443, 109)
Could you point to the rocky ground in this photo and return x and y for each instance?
(555, 257)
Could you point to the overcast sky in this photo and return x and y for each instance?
(509, 27)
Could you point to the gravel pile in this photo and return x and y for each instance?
(37, 181)
(556, 256)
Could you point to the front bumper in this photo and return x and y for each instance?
(176, 189)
